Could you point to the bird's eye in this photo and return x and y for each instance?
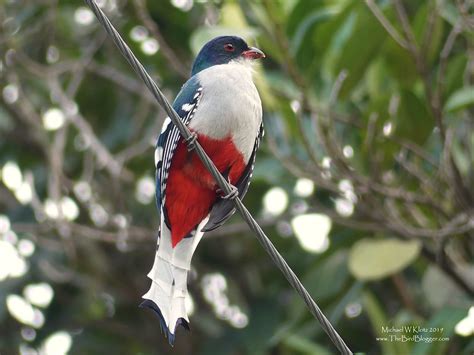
(229, 47)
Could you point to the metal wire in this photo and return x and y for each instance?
(223, 184)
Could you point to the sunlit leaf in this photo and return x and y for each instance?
(460, 99)
(232, 16)
(449, 11)
(371, 259)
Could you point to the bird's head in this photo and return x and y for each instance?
(222, 50)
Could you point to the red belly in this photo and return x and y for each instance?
(191, 189)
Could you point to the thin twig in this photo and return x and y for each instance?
(386, 23)
(428, 32)
(403, 17)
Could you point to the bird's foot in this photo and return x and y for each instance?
(231, 195)
(191, 141)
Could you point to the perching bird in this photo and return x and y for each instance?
(221, 106)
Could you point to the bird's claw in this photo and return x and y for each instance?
(231, 195)
(191, 141)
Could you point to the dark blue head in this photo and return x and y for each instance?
(222, 50)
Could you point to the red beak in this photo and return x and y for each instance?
(253, 53)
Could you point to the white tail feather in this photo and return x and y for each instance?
(168, 288)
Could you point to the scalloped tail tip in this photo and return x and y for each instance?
(164, 328)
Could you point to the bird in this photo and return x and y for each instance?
(222, 108)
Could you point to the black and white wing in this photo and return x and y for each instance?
(185, 105)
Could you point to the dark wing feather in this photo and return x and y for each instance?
(185, 105)
(224, 209)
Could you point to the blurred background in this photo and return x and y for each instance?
(364, 181)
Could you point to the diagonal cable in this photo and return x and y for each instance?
(223, 184)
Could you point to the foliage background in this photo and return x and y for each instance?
(368, 102)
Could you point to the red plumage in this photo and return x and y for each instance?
(191, 189)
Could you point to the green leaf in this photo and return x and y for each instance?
(232, 16)
(350, 295)
(301, 345)
(449, 12)
(357, 54)
(460, 99)
(446, 318)
(301, 43)
(380, 152)
(371, 259)
(269, 170)
(300, 13)
(420, 28)
(454, 78)
(331, 37)
(312, 29)
(413, 120)
(263, 320)
(327, 280)
(378, 80)
(447, 291)
(462, 156)
(400, 64)
(378, 319)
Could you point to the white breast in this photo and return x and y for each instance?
(230, 106)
